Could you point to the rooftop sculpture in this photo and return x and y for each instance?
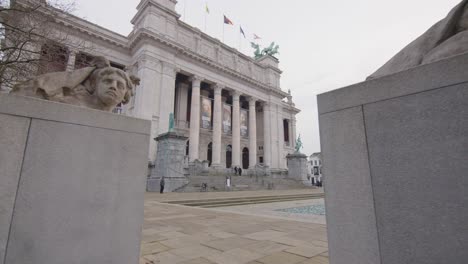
(271, 50)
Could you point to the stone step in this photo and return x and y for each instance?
(257, 202)
(246, 200)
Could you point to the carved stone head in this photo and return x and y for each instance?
(111, 86)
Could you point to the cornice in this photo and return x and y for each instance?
(144, 34)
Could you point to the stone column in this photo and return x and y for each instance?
(281, 157)
(181, 108)
(166, 100)
(252, 134)
(71, 60)
(146, 97)
(266, 135)
(194, 138)
(235, 129)
(293, 132)
(217, 121)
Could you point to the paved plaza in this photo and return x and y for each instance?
(283, 232)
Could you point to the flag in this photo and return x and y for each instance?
(206, 8)
(256, 37)
(242, 31)
(227, 21)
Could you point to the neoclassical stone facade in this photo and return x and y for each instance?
(230, 106)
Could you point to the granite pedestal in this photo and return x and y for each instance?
(297, 167)
(72, 182)
(395, 155)
(170, 163)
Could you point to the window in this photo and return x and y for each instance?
(54, 58)
(260, 159)
(286, 131)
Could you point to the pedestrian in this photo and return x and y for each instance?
(240, 171)
(161, 184)
(235, 170)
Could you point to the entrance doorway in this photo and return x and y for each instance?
(210, 154)
(245, 158)
(228, 156)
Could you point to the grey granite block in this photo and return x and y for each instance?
(80, 179)
(415, 135)
(418, 147)
(13, 134)
(348, 191)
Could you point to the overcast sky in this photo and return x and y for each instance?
(324, 45)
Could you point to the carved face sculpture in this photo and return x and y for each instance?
(111, 86)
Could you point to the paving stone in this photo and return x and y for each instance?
(152, 248)
(222, 234)
(242, 255)
(179, 242)
(307, 252)
(194, 251)
(152, 238)
(197, 261)
(266, 247)
(286, 240)
(265, 235)
(229, 243)
(281, 258)
(165, 258)
(316, 260)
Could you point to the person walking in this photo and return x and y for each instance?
(161, 184)
(235, 170)
(240, 171)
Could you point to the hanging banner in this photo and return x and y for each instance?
(226, 118)
(206, 113)
(243, 123)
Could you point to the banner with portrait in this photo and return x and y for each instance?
(244, 123)
(206, 113)
(226, 118)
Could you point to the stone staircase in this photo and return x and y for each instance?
(210, 203)
(239, 183)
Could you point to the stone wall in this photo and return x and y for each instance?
(71, 183)
(395, 166)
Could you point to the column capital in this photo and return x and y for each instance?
(196, 79)
(236, 95)
(218, 87)
(252, 100)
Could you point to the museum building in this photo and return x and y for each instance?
(229, 105)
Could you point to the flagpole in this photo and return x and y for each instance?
(239, 39)
(223, 31)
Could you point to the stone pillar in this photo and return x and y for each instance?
(293, 132)
(235, 129)
(147, 93)
(217, 121)
(195, 119)
(71, 60)
(266, 135)
(166, 100)
(181, 107)
(252, 134)
(280, 127)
